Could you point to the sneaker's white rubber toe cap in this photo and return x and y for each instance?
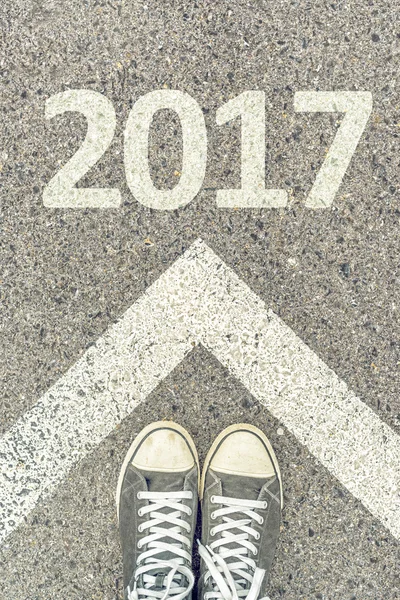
(243, 453)
(164, 450)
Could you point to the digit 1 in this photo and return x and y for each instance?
(250, 106)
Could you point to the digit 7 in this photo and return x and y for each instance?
(357, 107)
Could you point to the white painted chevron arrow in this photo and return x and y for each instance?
(199, 300)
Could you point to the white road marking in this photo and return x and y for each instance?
(199, 300)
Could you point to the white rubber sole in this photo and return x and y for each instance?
(222, 435)
(138, 440)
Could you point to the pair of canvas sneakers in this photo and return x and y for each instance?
(241, 499)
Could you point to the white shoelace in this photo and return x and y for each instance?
(230, 579)
(176, 571)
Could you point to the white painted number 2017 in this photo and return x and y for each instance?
(249, 106)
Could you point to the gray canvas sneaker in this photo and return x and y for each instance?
(157, 497)
(241, 491)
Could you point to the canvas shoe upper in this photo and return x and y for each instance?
(157, 499)
(241, 494)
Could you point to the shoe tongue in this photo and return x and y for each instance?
(160, 574)
(248, 488)
(234, 486)
(164, 482)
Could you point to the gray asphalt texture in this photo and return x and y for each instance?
(332, 275)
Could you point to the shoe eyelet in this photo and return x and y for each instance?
(212, 516)
(212, 499)
(257, 536)
(190, 512)
(140, 528)
(139, 495)
(265, 504)
(139, 544)
(255, 552)
(261, 520)
(140, 512)
(212, 532)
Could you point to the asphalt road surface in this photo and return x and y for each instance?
(330, 274)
